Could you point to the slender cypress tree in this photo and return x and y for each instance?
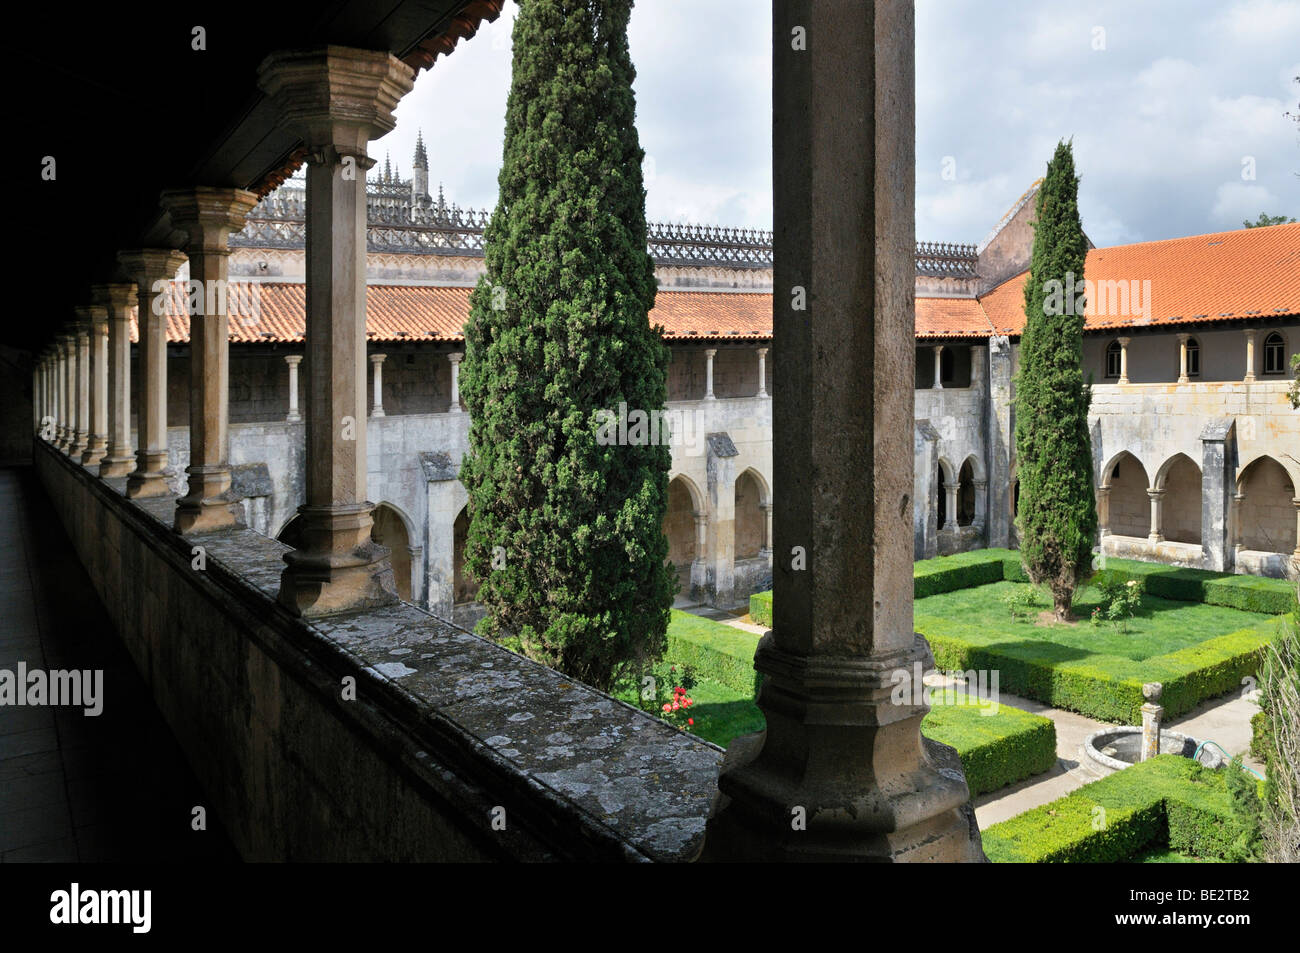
(566, 532)
(1057, 515)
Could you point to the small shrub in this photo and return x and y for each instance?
(1120, 599)
(1020, 601)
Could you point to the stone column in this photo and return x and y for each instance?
(69, 392)
(709, 354)
(1238, 502)
(81, 385)
(454, 359)
(1157, 514)
(766, 549)
(336, 99)
(699, 566)
(208, 216)
(153, 270)
(720, 493)
(119, 459)
(293, 360)
(1250, 355)
(999, 443)
(97, 444)
(762, 374)
(1103, 511)
(841, 772)
(63, 375)
(950, 505)
(1152, 715)
(1218, 479)
(981, 501)
(377, 363)
(1296, 503)
(1182, 358)
(1123, 359)
(938, 367)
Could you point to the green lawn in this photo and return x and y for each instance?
(1161, 626)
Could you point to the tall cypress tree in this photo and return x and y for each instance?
(566, 533)
(1057, 516)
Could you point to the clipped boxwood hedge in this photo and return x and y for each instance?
(1248, 593)
(1107, 687)
(760, 608)
(996, 750)
(715, 651)
(1167, 800)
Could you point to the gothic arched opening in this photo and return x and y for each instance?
(1266, 514)
(1181, 508)
(1130, 506)
(966, 494)
(464, 585)
(390, 530)
(751, 521)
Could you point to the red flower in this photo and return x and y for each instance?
(690, 721)
(668, 707)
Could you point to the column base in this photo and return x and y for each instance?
(95, 452)
(116, 465)
(377, 412)
(292, 417)
(339, 567)
(842, 772)
(208, 506)
(1155, 538)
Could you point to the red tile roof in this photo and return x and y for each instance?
(1224, 276)
(951, 318)
(274, 312)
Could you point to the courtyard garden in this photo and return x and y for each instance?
(714, 664)
(1198, 633)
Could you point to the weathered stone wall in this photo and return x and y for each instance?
(447, 730)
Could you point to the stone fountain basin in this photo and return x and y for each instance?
(1116, 748)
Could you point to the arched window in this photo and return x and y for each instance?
(1193, 358)
(1274, 354)
(1114, 358)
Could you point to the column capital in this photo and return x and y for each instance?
(293, 359)
(150, 265)
(208, 215)
(1124, 341)
(88, 316)
(335, 96)
(377, 358)
(456, 356)
(115, 297)
(762, 351)
(710, 351)
(1183, 337)
(1156, 493)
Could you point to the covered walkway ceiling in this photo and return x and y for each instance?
(126, 106)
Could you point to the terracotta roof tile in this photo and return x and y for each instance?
(951, 318)
(274, 312)
(1224, 276)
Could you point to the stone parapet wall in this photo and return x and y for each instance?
(447, 731)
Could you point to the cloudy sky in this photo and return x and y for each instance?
(1176, 110)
